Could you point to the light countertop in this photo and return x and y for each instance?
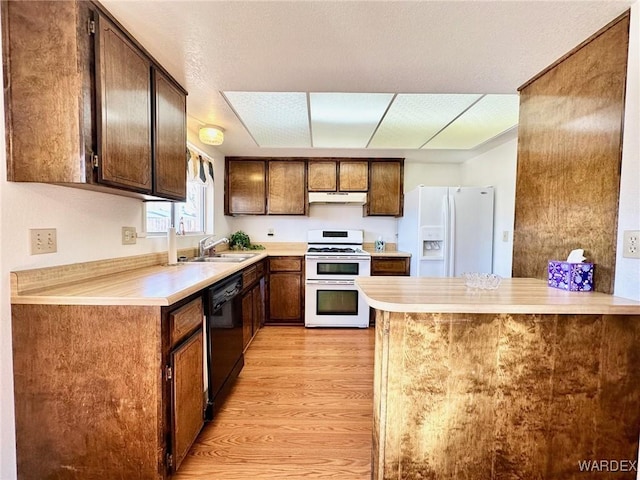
(514, 295)
(144, 280)
(153, 285)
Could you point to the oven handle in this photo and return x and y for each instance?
(330, 282)
(338, 259)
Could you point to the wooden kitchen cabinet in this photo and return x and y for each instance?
(245, 187)
(109, 388)
(170, 123)
(287, 193)
(92, 99)
(187, 401)
(322, 175)
(385, 188)
(391, 265)
(339, 174)
(286, 291)
(253, 299)
(354, 176)
(123, 87)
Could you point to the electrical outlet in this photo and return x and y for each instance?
(271, 232)
(631, 244)
(505, 236)
(129, 235)
(43, 240)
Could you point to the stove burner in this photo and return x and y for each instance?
(330, 250)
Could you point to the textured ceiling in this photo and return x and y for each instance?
(353, 46)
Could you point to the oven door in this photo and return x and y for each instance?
(334, 303)
(337, 267)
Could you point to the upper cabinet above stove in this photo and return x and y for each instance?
(338, 175)
(280, 186)
(92, 108)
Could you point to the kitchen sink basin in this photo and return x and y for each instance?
(225, 258)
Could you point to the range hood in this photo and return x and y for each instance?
(351, 198)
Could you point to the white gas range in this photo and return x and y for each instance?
(333, 260)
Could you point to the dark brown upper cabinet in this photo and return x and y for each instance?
(168, 144)
(245, 187)
(123, 84)
(322, 175)
(354, 176)
(91, 109)
(386, 196)
(287, 194)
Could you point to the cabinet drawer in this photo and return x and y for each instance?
(185, 320)
(390, 266)
(249, 276)
(285, 264)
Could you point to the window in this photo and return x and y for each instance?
(186, 217)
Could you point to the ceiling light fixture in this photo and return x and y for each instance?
(211, 135)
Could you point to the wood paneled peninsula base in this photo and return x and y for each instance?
(522, 382)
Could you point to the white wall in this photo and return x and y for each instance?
(627, 280)
(497, 167)
(294, 228)
(431, 174)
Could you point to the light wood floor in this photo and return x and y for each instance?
(301, 409)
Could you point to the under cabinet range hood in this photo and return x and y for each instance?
(351, 198)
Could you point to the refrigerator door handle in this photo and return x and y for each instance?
(452, 236)
(447, 233)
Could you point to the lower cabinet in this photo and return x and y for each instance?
(253, 301)
(107, 388)
(286, 291)
(186, 377)
(391, 266)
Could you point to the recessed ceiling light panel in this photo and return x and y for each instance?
(273, 119)
(413, 119)
(346, 120)
(488, 118)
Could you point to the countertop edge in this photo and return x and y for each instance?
(571, 305)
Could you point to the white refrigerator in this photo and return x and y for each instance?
(447, 230)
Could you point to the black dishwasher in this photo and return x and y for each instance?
(224, 340)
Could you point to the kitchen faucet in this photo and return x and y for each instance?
(207, 243)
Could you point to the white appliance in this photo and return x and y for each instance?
(448, 230)
(333, 260)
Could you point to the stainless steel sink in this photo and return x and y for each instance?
(225, 258)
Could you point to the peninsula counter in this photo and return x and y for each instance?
(524, 381)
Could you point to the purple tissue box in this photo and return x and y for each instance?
(575, 277)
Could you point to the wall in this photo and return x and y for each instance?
(627, 283)
(497, 167)
(431, 174)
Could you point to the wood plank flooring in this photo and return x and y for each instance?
(301, 409)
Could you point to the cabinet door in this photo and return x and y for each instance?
(170, 140)
(354, 176)
(287, 187)
(245, 191)
(123, 81)
(322, 176)
(258, 306)
(285, 298)
(385, 189)
(45, 57)
(247, 318)
(187, 413)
